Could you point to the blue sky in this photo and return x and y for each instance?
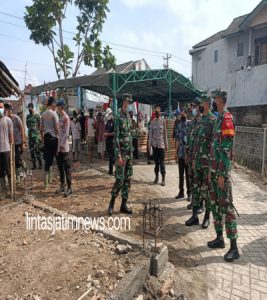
(164, 26)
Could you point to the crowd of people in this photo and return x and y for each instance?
(203, 149)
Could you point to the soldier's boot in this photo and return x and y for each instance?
(50, 175)
(206, 220)
(40, 164)
(163, 180)
(200, 208)
(156, 181)
(111, 205)
(124, 208)
(218, 242)
(3, 189)
(233, 253)
(190, 206)
(194, 220)
(46, 180)
(33, 165)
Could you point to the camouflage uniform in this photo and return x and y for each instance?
(33, 124)
(123, 149)
(201, 157)
(221, 149)
(189, 147)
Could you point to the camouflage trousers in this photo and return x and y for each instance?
(34, 146)
(123, 179)
(200, 189)
(221, 207)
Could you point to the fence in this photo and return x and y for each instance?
(250, 148)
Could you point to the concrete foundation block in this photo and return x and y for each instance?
(158, 262)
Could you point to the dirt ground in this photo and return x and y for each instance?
(39, 265)
(57, 267)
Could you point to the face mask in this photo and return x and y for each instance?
(194, 112)
(183, 118)
(214, 106)
(201, 109)
(2, 112)
(74, 119)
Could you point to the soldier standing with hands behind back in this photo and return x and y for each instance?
(123, 157)
(221, 188)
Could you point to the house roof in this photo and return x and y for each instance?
(236, 25)
(8, 85)
(122, 68)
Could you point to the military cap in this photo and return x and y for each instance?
(219, 93)
(30, 105)
(204, 98)
(61, 102)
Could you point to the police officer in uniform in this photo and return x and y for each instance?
(33, 124)
(123, 157)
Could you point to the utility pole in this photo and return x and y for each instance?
(167, 57)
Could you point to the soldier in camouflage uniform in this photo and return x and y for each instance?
(33, 124)
(201, 163)
(191, 129)
(221, 189)
(123, 157)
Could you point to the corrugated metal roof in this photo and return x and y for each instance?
(6, 80)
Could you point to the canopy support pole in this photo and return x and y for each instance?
(169, 79)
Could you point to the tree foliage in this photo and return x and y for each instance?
(44, 18)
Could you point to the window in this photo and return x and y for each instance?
(260, 51)
(215, 56)
(240, 49)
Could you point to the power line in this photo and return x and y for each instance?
(105, 42)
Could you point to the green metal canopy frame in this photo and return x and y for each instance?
(153, 87)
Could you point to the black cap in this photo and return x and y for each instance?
(7, 106)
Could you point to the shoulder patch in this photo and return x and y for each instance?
(228, 128)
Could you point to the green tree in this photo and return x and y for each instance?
(44, 18)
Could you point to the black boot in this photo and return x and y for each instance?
(190, 206)
(200, 210)
(233, 253)
(124, 208)
(40, 164)
(180, 195)
(163, 180)
(193, 220)
(218, 242)
(156, 181)
(111, 206)
(33, 165)
(206, 220)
